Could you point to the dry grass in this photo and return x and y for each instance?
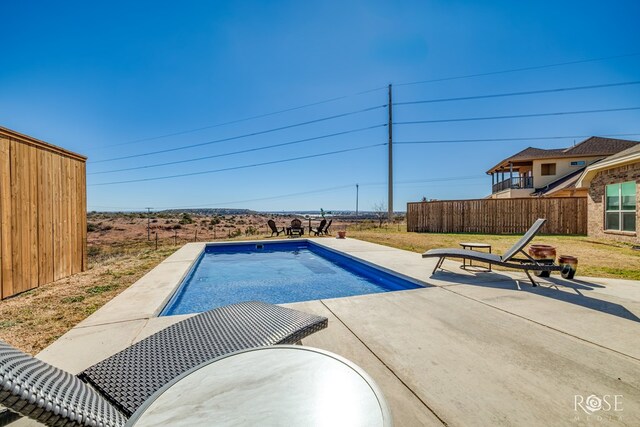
(34, 319)
(597, 258)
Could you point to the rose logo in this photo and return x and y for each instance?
(593, 403)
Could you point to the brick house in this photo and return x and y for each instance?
(613, 186)
(537, 172)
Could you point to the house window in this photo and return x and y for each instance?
(548, 169)
(621, 203)
(579, 163)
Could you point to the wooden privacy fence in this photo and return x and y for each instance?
(564, 215)
(42, 213)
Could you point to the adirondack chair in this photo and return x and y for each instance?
(318, 231)
(296, 228)
(274, 229)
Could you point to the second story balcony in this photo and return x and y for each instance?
(517, 182)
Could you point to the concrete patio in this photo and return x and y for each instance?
(467, 349)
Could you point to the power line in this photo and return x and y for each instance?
(530, 92)
(329, 100)
(516, 116)
(248, 150)
(244, 119)
(241, 167)
(202, 205)
(301, 193)
(184, 147)
(536, 138)
(514, 70)
(282, 196)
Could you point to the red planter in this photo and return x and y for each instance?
(545, 254)
(540, 252)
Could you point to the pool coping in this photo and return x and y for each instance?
(196, 259)
(148, 296)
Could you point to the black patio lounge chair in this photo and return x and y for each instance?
(318, 231)
(109, 392)
(272, 225)
(296, 228)
(507, 260)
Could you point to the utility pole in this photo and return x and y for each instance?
(390, 126)
(357, 190)
(148, 223)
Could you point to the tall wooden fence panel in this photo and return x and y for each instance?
(564, 215)
(42, 211)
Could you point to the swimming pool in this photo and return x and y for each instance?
(277, 273)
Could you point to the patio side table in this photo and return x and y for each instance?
(281, 385)
(474, 246)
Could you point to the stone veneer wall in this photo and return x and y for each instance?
(595, 202)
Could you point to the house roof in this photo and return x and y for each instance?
(629, 156)
(567, 181)
(593, 146)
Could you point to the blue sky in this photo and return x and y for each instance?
(99, 78)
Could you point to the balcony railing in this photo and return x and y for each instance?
(515, 183)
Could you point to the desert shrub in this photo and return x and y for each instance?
(251, 230)
(176, 227)
(91, 227)
(236, 233)
(215, 221)
(154, 220)
(93, 251)
(186, 219)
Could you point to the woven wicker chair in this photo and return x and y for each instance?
(107, 393)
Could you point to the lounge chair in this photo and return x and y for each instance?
(507, 260)
(109, 392)
(319, 230)
(296, 228)
(272, 225)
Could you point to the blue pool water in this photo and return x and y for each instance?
(278, 272)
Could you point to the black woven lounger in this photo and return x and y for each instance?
(507, 260)
(122, 382)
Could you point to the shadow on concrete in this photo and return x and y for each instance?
(569, 291)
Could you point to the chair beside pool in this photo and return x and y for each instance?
(296, 228)
(507, 260)
(122, 382)
(318, 231)
(326, 228)
(275, 230)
